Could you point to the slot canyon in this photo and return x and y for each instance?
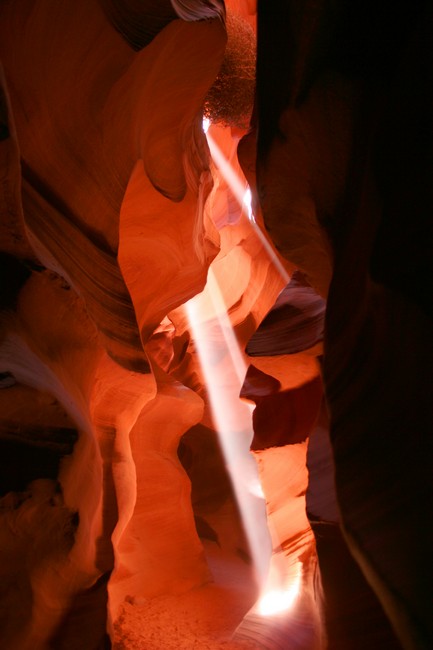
(216, 246)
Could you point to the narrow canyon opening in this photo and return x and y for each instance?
(215, 325)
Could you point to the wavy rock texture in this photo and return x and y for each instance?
(78, 117)
(143, 311)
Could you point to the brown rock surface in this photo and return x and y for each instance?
(344, 157)
(155, 328)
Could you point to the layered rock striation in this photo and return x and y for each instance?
(145, 305)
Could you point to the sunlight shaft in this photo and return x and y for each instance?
(281, 589)
(242, 193)
(223, 370)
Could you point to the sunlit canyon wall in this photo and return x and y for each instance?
(145, 307)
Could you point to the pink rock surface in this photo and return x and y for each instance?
(146, 309)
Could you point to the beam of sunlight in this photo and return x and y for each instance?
(226, 328)
(224, 370)
(237, 186)
(280, 593)
(242, 193)
(277, 601)
(248, 203)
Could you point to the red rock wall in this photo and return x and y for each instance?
(112, 212)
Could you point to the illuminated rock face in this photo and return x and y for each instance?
(116, 506)
(102, 152)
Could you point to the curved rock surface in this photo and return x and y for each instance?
(205, 400)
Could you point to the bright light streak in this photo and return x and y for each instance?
(220, 308)
(243, 195)
(247, 201)
(255, 487)
(224, 370)
(275, 602)
(278, 600)
(233, 181)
